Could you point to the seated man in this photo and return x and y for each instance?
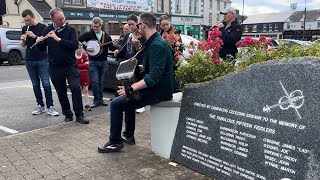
(156, 85)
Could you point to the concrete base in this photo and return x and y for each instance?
(164, 118)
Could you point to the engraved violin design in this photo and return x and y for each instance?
(293, 100)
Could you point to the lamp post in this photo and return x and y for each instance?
(242, 11)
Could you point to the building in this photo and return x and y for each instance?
(296, 27)
(212, 14)
(269, 25)
(79, 13)
(187, 16)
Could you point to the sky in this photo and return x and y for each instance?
(252, 7)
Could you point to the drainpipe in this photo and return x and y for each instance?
(17, 4)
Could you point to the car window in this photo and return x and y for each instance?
(13, 35)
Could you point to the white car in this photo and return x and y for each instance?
(186, 42)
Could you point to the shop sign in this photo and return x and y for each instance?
(90, 15)
(123, 5)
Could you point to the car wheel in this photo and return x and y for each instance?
(14, 57)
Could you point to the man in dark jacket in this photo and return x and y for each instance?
(61, 40)
(231, 33)
(98, 65)
(156, 85)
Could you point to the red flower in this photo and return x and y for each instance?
(216, 61)
(164, 36)
(191, 43)
(191, 52)
(177, 58)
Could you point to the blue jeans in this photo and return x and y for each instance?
(38, 70)
(119, 105)
(97, 71)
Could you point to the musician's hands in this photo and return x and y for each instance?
(23, 37)
(121, 91)
(115, 42)
(53, 35)
(40, 39)
(90, 49)
(116, 52)
(218, 25)
(31, 34)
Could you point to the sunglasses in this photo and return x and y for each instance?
(138, 25)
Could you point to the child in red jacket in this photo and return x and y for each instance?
(83, 65)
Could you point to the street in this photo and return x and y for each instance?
(18, 101)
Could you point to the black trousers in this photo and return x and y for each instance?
(58, 75)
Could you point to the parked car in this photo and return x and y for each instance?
(186, 41)
(10, 48)
(293, 42)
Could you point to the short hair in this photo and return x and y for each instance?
(133, 18)
(27, 12)
(164, 17)
(53, 11)
(149, 19)
(97, 20)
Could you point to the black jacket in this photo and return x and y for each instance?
(60, 53)
(91, 35)
(230, 37)
(128, 48)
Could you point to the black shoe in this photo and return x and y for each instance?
(95, 104)
(82, 119)
(104, 103)
(109, 147)
(87, 107)
(67, 119)
(129, 140)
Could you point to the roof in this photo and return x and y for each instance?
(42, 7)
(297, 16)
(268, 18)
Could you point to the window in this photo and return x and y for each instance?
(210, 18)
(160, 5)
(73, 2)
(302, 25)
(13, 35)
(318, 25)
(246, 28)
(288, 25)
(225, 5)
(264, 28)
(210, 4)
(218, 5)
(190, 6)
(114, 28)
(270, 27)
(254, 28)
(276, 27)
(195, 7)
(218, 17)
(178, 5)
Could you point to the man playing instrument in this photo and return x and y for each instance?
(37, 63)
(98, 66)
(61, 40)
(156, 85)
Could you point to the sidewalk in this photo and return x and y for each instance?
(69, 151)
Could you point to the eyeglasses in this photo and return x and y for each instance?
(140, 24)
(27, 20)
(96, 26)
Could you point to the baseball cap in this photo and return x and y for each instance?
(228, 9)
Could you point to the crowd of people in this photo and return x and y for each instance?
(56, 52)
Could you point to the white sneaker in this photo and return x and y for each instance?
(52, 111)
(140, 110)
(38, 110)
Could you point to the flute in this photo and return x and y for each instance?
(45, 37)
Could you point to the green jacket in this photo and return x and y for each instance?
(158, 71)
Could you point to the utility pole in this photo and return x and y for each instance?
(304, 20)
(242, 18)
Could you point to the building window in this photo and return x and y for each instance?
(218, 17)
(270, 27)
(288, 25)
(210, 18)
(276, 27)
(190, 7)
(318, 25)
(302, 25)
(114, 28)
(254, 28)
(178, 5)
(218, 5)
(210, 4)
(195, 8)
(73, 2)
(160, 5)
(225, 5)
(246, 28)
(264, 28)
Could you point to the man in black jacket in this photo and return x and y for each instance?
(231, 33)
(98, 65)
(62, 42)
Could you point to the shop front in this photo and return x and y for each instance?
(191, 26)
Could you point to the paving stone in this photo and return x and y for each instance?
(33, 176)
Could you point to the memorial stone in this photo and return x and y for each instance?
(262, 123)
